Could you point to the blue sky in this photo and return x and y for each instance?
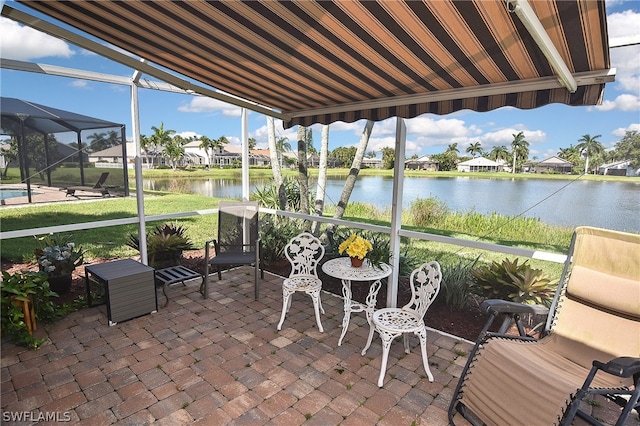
(547, 129)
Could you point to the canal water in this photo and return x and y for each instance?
(570, 203)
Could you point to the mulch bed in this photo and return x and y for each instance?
(462, 323)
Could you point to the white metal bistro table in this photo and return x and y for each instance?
(341, 268)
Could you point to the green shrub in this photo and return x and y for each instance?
(516, 282)
(457, 283)
(275, 234)
(425, 212)
(267, 196)
(25, 286)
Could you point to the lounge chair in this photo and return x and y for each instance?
(98, 187)
(591, 344)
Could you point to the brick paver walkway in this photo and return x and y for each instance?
(221, 361)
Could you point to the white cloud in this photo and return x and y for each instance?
(620, 132)
(625, 102)
(625, 59)
(204, 104)
(26, 44)
(505, 137)
(80, 84)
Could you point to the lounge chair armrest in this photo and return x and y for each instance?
(505, 307)
(625, 366)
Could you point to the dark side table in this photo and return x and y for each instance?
(129, 288)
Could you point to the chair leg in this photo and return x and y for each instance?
(317, 304)
(366, 347)
(204, 286)
(286, 302)
(422, 334)
(405, 338)
(387, 338)
(255, 284)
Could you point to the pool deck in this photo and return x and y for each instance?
(45, 194)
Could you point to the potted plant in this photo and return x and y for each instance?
(165, 244)
(58, 257)
(356, 248)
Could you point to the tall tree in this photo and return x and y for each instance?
(174, 149)
(519, 149)
(570, 154)
(160, 138)
(145, 147)
(629, 148)
(588, 146)
(344, 154)
(97, 142)
(350, 182)
(212, 146)
(322, 178)
(282, 146)
(453, 148)
(474, 149)
(276, 163)
(303, 175)
(388, 157)
(499, 153)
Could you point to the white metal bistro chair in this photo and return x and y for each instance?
(304, 252)
(393, 322)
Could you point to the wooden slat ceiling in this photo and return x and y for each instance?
(326, 61)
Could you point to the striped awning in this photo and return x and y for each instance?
(317, 61)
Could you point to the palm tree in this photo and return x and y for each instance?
(499, 153)
(589, 147)
(160, 137)
(207, 145)
(145, 146)
(322, 178)
(276, 162)
(212, 145)
(571, 154)
(474, 149)
(303, 174)
(350, 182)
(452, 148)
(519, 149)
(174, 149)
(97, 142)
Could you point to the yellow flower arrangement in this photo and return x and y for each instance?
(355, 246)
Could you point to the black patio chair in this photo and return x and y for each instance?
(238, 242)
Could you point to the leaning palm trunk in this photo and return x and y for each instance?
(322, 178)
(275, 164)
(353, 175)
(303, 175)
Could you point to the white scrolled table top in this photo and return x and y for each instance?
(340, 267)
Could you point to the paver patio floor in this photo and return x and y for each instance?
(221, 361)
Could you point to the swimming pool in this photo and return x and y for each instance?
(6, 193)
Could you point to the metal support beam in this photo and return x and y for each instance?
(396, 212)
(523, 10)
